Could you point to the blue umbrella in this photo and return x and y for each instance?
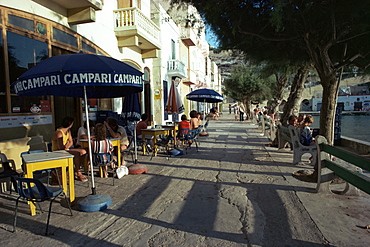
(81, 75)
(205, 95)
(67, 75)
(131, 112)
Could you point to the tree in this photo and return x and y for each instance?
(333, 34)
(245, 84)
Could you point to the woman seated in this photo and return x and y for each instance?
(100, 144)
(62, 140)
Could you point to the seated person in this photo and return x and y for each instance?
(62, 140)
(82, 132)
(116, 131)
(306, 134)
(143, 124)
(195, 121)
(184, 124)
(100, 144)
(293, 121)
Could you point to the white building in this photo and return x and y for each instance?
(138, 32)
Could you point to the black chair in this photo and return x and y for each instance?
(34, 190)
(162, 143)
(7, 172)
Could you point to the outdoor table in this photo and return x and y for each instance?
(116, 143)
(155, 133)
(48, 160)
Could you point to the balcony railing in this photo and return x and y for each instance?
(130, 22)
(176, 68)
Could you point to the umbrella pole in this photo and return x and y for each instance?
(89, 142)
(135, 144)
(94, 202)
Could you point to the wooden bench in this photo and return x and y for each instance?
(299, 149)
(350, 171)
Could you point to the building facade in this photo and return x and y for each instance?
(141, 33)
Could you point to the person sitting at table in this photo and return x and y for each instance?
(116, 131)
(184, 127)
(62, 140)
(100, 144)
(82, 132)
(194, 120)
(143, 124)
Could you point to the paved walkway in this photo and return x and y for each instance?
(235, 191)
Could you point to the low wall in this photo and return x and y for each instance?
(360, 147)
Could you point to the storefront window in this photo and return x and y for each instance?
(64, 37)
(23, 54)
(20, 22)
(88, 48)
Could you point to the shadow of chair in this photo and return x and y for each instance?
(34, 190)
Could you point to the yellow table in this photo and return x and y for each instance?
(155, 133)
(116, 143)
(47, 160)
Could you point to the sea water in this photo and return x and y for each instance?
(353, 126)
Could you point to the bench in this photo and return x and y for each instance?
(350, 171)
(283, 136)
(299, 149)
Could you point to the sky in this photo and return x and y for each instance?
(211, 37)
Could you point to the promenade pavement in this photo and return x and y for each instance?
(235, 191)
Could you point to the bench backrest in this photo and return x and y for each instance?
(352, 176)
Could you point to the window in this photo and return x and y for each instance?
(21, 22)
(64, 37)
(23, 54)
(88, 48)
(173, 49)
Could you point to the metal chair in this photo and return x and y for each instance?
(103, 159)
(192, 137)
(34, 190)
(162, 143)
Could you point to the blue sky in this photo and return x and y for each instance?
(211, 37)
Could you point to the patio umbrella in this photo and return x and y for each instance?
(174, 103)
(80, 75)
(131, 112)
(205, 95)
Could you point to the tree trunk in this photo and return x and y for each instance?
(279, 94)
(329, 103)
(247, 103)
(292, 105)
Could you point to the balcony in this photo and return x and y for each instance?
(188, 36)
(80, 11)
(176, 68)
(137, 32)
(191, 78)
